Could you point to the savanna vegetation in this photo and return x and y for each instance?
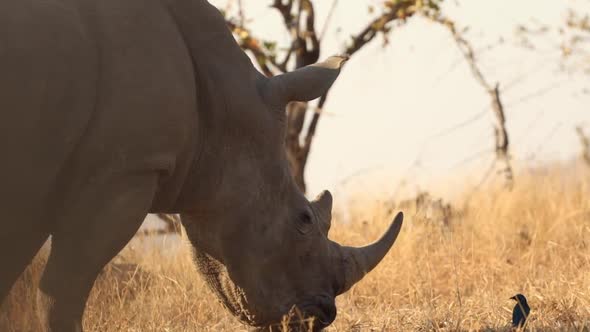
(457, 260)
(440, 276)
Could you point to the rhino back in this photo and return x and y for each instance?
(46, 84)
(88, 87)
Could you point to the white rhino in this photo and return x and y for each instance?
(111, 109)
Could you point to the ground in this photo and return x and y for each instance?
(440, 276)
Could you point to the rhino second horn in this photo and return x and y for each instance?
(322, 205)
(359, 261)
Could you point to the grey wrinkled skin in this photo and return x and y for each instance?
(112, 109)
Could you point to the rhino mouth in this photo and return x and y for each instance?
(322, 317)
(322, 312)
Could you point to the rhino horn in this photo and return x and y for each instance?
(322, 206)
(304, 84)
(359, 261)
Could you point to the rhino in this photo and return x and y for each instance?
(113, 109)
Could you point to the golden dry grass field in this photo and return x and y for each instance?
(534, 240)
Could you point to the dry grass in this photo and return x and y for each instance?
(534, 240)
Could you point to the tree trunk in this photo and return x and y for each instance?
(296, 150)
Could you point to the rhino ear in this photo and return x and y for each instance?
(303, 84)
(322, 205)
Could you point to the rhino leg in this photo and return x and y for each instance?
(99, 222)
(16, 252)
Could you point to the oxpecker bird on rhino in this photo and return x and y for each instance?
(112, 109)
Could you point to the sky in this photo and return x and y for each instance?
(388, 123)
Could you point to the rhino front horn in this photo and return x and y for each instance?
(359, 261)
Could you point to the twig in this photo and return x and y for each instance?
(485, 176)
(585, 140)
(249, 43)
(470, 158)
(537, 93)
(291, 24)
(501, 135)
(460, 125)
(241, 13)
(328, 19)
(379, 24)
(285, 11)
(172, 222)
(544, 140)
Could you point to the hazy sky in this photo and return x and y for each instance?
(391, 101)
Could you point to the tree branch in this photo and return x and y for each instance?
(500, 133)
(261, 55)
(399, 10)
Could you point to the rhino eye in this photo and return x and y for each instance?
(304, 222)
(306, 218)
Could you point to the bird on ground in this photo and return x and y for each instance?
(520, 312)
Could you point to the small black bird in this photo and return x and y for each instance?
(521, 311)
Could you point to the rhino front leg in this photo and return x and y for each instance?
(16, 252)
(98, 223)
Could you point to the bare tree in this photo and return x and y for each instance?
(299, 19)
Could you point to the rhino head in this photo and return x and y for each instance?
(262, 247)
